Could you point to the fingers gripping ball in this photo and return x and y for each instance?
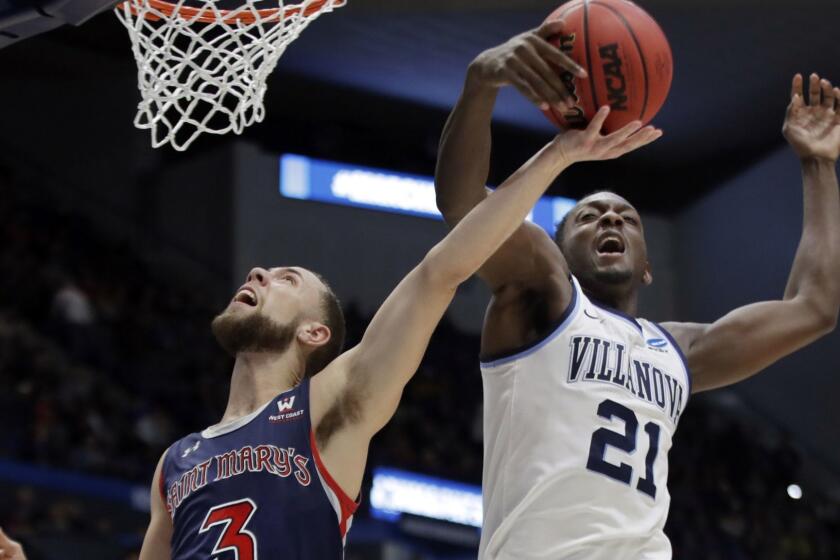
(626, 55)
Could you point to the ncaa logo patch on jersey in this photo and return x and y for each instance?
(657, 344)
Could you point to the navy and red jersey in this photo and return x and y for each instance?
(255, 488)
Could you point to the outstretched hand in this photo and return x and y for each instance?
(531, 64)
(591, 145)
(9, 549)
(813, 128)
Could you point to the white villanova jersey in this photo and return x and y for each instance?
(577, 429)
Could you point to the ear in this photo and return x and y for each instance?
(313, 335)
(647, 276)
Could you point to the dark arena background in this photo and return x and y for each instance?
(114, 257)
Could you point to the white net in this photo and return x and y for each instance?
(202, 69)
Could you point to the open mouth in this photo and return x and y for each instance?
(611, 244)
(246, 296)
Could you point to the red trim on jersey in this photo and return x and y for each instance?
(348, 505)
(162, 486)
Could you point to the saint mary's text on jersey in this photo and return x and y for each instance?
(281, 462)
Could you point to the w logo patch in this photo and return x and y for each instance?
(286, 404)
(286, 411)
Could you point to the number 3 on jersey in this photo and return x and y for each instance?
(625, 442)
(233, 516)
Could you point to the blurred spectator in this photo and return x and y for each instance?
(71, 306)
(72, 318)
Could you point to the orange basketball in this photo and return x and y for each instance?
(626, 55)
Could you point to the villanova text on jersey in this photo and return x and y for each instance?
(577, 429)
(255, 488)
(603, 361)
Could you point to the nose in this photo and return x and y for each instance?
(611, 218)
(260, 275)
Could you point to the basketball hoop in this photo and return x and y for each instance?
(203, 69)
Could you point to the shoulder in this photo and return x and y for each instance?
(158, 490)
(521, 315)
(160, 465)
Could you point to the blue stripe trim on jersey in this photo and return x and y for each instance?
(620, 314)
(676, 346)
(529, 349)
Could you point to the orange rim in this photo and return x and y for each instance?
(208, 15)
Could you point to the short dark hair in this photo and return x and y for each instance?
(333, 317)
(560, 232)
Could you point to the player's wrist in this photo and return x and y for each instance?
(814, 162)
(561, 156)
(570, 152)
(478, 79)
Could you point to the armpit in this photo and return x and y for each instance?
(686, 334)
(347, 409)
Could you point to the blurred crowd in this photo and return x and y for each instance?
(103, 363)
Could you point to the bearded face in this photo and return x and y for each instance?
(271, 311)
(252, 332)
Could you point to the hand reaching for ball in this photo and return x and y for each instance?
(586, 54)
(529, 63)
(591, 145)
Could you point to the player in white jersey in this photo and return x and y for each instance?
(581, 398)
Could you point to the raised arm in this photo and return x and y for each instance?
(529, 63)
(769, 331)
(359, 392)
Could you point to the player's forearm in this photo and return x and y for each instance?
(815, 275)
(155, 546)
(396, 338)
(382, 364)
(483, 230)
(464, 152)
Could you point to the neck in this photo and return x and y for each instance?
(627, 303)
(258, 377)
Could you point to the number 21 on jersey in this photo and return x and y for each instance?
(604, 437)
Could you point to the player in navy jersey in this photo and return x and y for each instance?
(581, 396)
(278, 476)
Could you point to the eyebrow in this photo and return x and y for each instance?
(294, 271)
(276, 271)
(600, 205)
